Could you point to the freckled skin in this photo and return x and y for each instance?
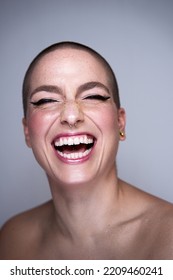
(93, 214)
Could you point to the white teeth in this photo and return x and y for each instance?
(65, 141)
(74, 140)
(81, 139)
(70, 141)
(90, 141)
(60, 142)
(74, 155)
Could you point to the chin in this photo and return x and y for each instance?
(75, 179)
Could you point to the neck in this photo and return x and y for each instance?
(85, 209)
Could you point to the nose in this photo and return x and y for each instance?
(71, 114)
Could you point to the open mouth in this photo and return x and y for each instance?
(74, 147)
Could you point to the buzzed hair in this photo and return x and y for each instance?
(69, 45)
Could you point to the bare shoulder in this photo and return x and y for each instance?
(21, 233)
(157, 209)
(146, 200)
(156, 220)
(163, 241)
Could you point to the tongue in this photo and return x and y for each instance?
(81, 148)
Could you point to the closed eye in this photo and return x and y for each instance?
(97, 97)
(43, 101)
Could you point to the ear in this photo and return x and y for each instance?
(122, 123)
(26, 132)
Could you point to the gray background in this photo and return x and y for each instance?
(136, 37)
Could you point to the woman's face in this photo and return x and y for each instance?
(72, 123)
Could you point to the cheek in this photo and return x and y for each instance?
(106, 119)
(38, 124)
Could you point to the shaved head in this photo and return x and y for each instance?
(70, 45)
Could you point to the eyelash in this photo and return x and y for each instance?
(98, 97)
(43, 101)
(49, 100)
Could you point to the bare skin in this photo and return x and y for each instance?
(93, 214)
(143, 231)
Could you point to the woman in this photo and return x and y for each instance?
(73, 122)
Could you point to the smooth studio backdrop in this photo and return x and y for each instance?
(136, 37)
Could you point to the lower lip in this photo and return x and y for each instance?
(75, 161)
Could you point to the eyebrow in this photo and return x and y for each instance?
(91, 85)
(81, 88)
(47, 88)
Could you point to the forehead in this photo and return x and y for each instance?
(70, 63)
